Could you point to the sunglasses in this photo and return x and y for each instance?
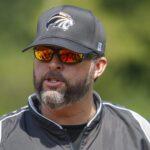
(45, 54)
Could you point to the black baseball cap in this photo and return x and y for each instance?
(70, 27)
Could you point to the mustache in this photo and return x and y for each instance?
(38, 84)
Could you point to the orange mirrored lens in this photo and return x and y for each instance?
(43, 53)
(69, 56)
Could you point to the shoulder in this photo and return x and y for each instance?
(13, 115)
(129, 118)
(8, 122)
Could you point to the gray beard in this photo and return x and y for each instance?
(53, 99)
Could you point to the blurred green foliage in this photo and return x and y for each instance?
(127, 78)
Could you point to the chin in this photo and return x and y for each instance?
(52, 98)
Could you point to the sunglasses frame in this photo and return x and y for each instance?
(56, 50)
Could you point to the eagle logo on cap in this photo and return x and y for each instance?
(61, 20)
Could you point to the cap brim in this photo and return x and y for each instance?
(59, 42)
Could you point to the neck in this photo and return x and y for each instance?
(75, 114)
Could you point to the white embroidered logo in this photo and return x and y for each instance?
(99, 47)
(61, 20)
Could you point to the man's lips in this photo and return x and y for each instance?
(53, 83)
(53, 80)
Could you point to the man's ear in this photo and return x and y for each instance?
(100, 65)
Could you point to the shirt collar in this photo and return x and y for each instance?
(33, 104)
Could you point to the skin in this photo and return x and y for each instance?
(81, 111)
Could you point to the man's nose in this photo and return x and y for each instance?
(55, 63)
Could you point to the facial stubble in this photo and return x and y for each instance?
(68, 95)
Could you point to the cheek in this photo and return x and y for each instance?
(39, 70)
(80, 73)
(74, 73)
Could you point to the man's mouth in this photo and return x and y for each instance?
(53, 83)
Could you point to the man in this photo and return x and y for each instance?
(65, 113)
